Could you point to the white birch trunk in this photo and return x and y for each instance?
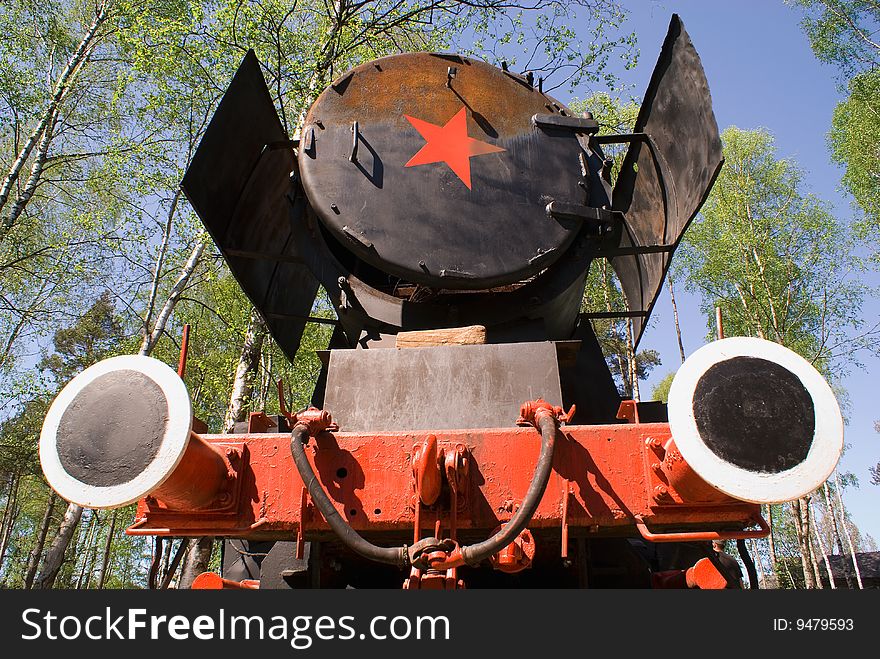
(10, 513)
(68, 75)
(151, 339)
(824, 553)
(836, 532)
(248, 363)
(802, 531)
(759, 563)
(771, 544)
(37, 551)
(852, 549)
(604, 269)
(631, 361)
(675, 318)
(197, 557)
(55, 554)
(103, 572)
(34, 178)
(160, 261)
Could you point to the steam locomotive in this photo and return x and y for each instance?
(465, 429)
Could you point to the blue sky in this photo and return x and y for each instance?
(762, 73)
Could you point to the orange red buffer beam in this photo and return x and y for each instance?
(606, 480)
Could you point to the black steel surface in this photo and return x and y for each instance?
(112, 429)
(238, 182)
(677, 116)
(396, 246)
(368, 302)
(755, 414)
(427, 223)
(587, 383)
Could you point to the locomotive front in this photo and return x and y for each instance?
(465, 427)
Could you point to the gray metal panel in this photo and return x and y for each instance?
(480, 386)
(238, 183)
(677, 115)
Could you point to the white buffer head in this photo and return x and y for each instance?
(755, 420)
(116, 432)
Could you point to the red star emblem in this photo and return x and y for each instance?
(449, 144)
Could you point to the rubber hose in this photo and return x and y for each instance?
(349, 537)
(473, 554)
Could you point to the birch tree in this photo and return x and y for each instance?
(781, 267)
(844, 34)
(61, 83)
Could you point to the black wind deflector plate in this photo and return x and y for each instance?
(673, 159)
(238, 183)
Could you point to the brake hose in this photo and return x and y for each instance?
(299, 437)
(473, 554)
(406, 555)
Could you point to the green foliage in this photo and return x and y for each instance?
(541, 37)
(19, 437)
(843, 33)
(91, 338)
(855, 144)
(774, 258)
(55, 254)
(661, 389)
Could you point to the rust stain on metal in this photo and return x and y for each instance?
(607, 484)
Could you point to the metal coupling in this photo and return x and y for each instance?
(531, 412)
(315, 421)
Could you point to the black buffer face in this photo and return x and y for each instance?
(112, 429)
(755, 414)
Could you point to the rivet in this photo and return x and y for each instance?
(653, 442)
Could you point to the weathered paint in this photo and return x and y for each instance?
(607, 469)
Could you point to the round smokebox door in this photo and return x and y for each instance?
(430, 167)
(116, 431)
(755, 420)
